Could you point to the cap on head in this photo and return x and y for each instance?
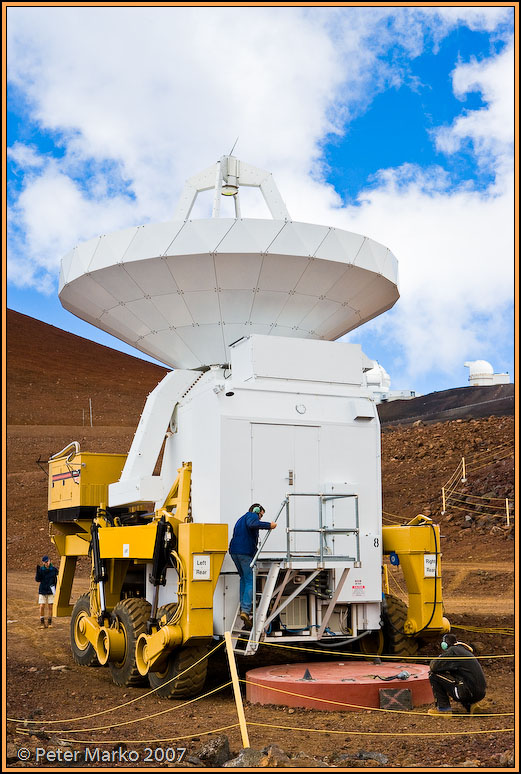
(45, 558)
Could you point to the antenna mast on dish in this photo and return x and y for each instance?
(225, 177)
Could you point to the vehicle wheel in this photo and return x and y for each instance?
(373, 644)
(83, 652)
(189, 684)
(132, 615)
(397, 643)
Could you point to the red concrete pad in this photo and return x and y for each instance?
(353, 683)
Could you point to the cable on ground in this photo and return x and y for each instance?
(366, 656)
(382, 733)
(119, 706)
(137, 720)
(150, 741)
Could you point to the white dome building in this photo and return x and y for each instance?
(481, 374)
(379, 382)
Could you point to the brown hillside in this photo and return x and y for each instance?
(459, 403)
(52, 374)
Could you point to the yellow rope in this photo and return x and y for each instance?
(149, 741)
(469, 510)
(454, 476)
(119, 706)
(394, 518)
(481, 497)
(486, 465)
(395, 581)
(358, 706)
(363, 655)
(495, 508)
(492, 452)
(500, 630)
(138, 720)
(394, 515)
(381, 733)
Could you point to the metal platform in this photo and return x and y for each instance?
(356, 684)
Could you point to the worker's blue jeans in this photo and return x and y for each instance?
(242, 562)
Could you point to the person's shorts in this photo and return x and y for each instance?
(45, 599)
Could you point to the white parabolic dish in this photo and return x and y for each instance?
(184, 290)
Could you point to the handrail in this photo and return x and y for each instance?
(71, 455)
(254, 560)
(321, 529)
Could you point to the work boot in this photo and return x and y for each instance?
(42, 624)
(247, 620)
(447, 711)
(49, 622)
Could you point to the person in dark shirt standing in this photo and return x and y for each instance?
(46, 575)
(456, 674)
(243, 547)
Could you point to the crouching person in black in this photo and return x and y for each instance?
(456, 674)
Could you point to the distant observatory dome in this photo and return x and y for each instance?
(481, 374)
(378, 377)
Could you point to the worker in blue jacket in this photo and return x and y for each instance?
(46, 575)
(243, 547)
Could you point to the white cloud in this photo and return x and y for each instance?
(489, 129)
(455, 251)
(141, 98)
(25, 156)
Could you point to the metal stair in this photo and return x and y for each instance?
(267, 570)
(249, 641)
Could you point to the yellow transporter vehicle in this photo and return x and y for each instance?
(114, 624)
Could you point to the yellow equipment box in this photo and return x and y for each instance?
(79, 483)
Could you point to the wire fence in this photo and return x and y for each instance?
(478, 505)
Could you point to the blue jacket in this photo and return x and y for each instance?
(46, 577)
(246, 533)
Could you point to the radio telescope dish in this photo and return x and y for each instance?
(185, 290)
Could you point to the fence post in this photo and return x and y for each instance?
(236, 689)
(508, 512)
(464, 476)
(443, 500)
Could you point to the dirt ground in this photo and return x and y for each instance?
(44, 684)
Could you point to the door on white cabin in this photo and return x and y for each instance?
(286, 460)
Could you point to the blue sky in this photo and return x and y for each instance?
(396, 123)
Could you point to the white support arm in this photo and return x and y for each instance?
(137, 484)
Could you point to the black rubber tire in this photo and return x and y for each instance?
(391, 640)
(397, 643)
(189, 684)
(83, 652)
(373, 644)
(132, 614)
